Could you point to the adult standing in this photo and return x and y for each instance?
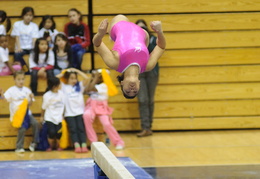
(148, 83)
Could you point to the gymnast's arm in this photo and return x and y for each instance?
(160, 47)
(107, 55)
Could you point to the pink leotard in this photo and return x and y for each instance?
(130, 43)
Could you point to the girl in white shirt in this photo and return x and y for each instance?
(5, 67)
(47, 29)
(74, 106)
(52, 111)
(41, 62)
(3, 18)
(25, 32)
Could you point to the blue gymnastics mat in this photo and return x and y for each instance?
(61, 168)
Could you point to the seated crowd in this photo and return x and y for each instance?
(56, 57)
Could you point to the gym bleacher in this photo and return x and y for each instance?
(209, 73)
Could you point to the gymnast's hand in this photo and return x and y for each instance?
(102, 28)
(156, 26)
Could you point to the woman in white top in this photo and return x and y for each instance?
(41, 62)
(25, 32)
(52, 111)
(74, 106)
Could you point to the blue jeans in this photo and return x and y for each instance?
(148, 83)
(77, 52)
(19, 57)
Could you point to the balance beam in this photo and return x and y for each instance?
(108, 163)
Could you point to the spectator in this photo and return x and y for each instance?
(62, 53)
(148, 83)
(25, 33)
(20, 97)
(74, 106)
(78, 35)
(3, 18)
(48, 29)
(52, 112)
(97, 105)
(5, 67)
(41, 63)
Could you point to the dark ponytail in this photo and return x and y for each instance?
(4, 17)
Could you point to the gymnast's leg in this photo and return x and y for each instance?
(117, 19)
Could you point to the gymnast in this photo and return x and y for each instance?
(129, 55)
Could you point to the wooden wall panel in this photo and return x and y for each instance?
(7, 143)
(203, 57)
(8, 130)
(207, 40)
(43, 7)
(196, 22)
(199, 92)
(191, 109)
(191, 123)
(186, 78)
(210, 74)
(170, 6)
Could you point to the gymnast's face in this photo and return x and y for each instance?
(131, 86)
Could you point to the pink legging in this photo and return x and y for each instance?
(107, 126)
(6, 71)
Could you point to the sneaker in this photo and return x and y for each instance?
(49, 149)
(144, 133)
(119, 147)
(84, 149)
(19, 150)
(32, 147)
(77, 150)
(59, 149)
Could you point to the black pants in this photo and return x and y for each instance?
(34, 79)
(76, 129)
(54, 131)
(148, 83)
